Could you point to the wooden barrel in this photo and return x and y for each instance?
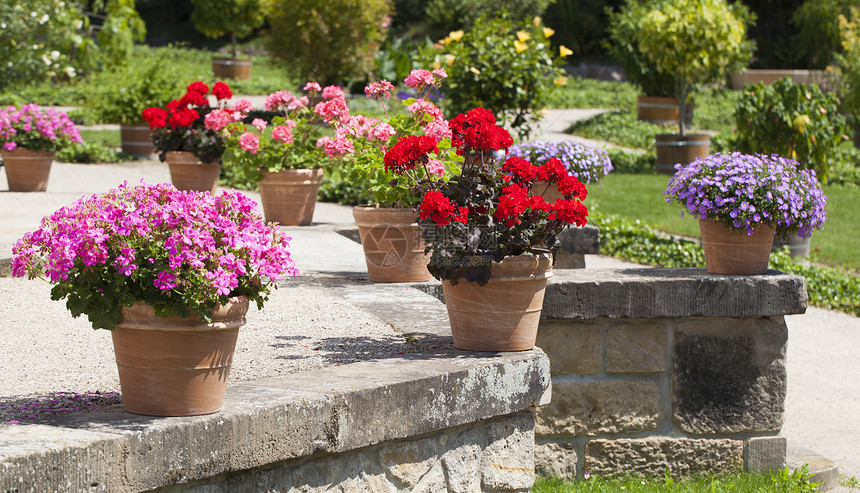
(662, 111)
(136, 139)
(673, 149)
(232, 68)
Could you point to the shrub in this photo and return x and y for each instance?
(43, 39)
(581, 25)
(121, 95)
(818, 38)
(697, 41)
(632, 162)
(796, 121)
(622, 45)
(450, 15)
(330, 42)
(503, 65)
(215, 18)
(848, 65)
(86, 152)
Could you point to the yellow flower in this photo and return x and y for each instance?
(536, 21)
(436, 65)
(523, 36)
(560, 81)
(475, 71)
(445, 40)
(548, 31)
(564, 51)
(521, 47)
(449, 59)
(456, 35)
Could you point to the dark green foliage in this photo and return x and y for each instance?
(793, 120)
(632, 162)
(590, 93)
(87, 152)
(443, 16)
(581, 25)
(817, 39)
(327, 42)
(238, 18)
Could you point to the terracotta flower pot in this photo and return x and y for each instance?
(289, 196)
(673, 149)
(188, 172)
(171, 366)
(393, 245)
(502, 315)
(136, 139)
(26, 170)
(732, 252)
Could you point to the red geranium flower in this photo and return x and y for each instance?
(222, 91)
(570, 186)
(478, 130)
(156, 117)
(408, 152)
(568, 211)
(198, 87)
(439, 209)
(552, 171)
(183, 118)
(194, 98)
(512, 203)
(522, 170)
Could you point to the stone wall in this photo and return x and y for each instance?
(495, 455)
(665, 370)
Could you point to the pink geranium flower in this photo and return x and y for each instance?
(249, 142)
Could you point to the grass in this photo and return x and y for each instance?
(640, 197)
(622, 128)
(589, 93)
(738, 482)
(110, 138)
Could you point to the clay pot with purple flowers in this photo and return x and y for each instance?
(742, 201)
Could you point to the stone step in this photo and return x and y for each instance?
(821, 469)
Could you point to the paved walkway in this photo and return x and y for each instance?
(823, 395)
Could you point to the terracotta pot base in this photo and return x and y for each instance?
(502, 315)
(170, 366)
(392, 243)
(290, 196)
(732, 252)
(188, 172)
(26, 170)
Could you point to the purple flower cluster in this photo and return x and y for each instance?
(743, 191)
(587, 163)
(36, 130)
(156, 244)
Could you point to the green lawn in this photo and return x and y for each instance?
(109, 138)
(640, 196)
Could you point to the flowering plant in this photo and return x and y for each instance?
(292, 142)
(362, 142)
(486, 213)
(587, 163)
(180, 252)
(180, 126)
(742, 191)
(37, 130)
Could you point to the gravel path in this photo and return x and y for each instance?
(54, 363)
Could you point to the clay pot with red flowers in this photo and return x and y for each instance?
(491, 234)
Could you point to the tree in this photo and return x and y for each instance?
(239, 18)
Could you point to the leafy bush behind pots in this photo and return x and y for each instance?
(121, 95)
(238, 18)
(327, 43)
(793, 120)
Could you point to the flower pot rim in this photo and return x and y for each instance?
(377, 208)
(192, 323)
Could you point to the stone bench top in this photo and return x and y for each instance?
(686, 292)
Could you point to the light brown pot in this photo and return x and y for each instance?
(549, 190)
(172, 366)
(673, 149)
(136, 139)
(232, 68)
(503, 314)
(393, 244)
(731, 252)
(289, 196)
(662, 110)
(188, 172)
(26, 170)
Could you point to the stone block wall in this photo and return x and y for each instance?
(660, 382)
(495, 455)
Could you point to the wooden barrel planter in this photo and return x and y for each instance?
(673, 149)
(662, 110)
(136, 139)
(232, 68)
